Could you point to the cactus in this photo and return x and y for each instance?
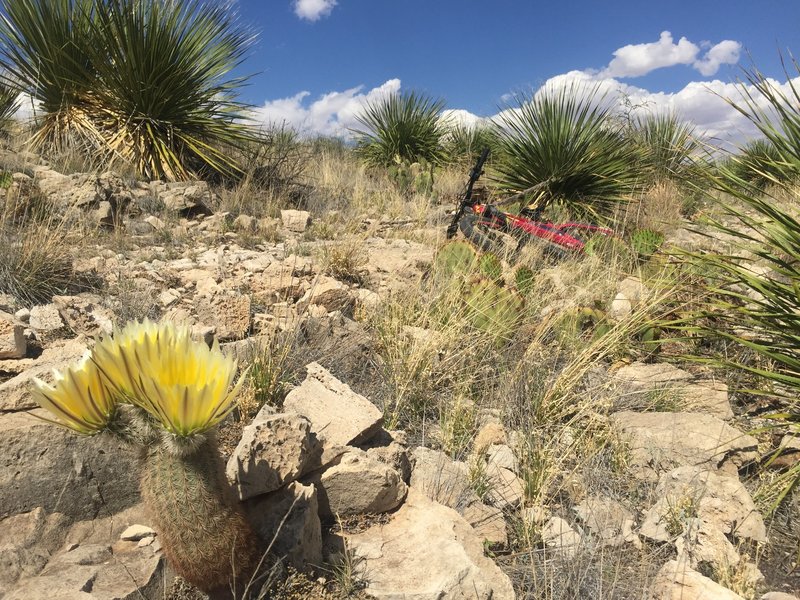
(646, 242)
(417, 176)
(154, 387)
(455, 258)
(203, 532)
(491, 266)
(524, 278)
(492, 308)
(5, 179)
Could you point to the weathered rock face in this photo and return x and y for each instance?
(189, 199)
(446, 481)
(358, 484)
(105, 196)
(722, 502)
(330, 294)
(661, 441)
(45, 465)
(608, 520)
(676, 581)
(228, 313)
(428, 551)
(274, 450)
(339, 417)
(299, 539)
(12, 339)
(296, 220)
(85, 314)
(558, 535)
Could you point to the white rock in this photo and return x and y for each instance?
(560, 536)
(677, 581)
(134, 533)
(46, 318)
(427, 551)
(12, 339)
(296, 220)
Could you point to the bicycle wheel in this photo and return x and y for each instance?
(482, 235)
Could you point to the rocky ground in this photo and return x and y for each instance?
(369, 511)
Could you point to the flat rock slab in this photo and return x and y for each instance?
(45, 465)
(721, 501)
(12, 339)
(661, 441)
(676, 581)
(427, 551)
(339, 417)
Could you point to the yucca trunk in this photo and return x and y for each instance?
(204, 534)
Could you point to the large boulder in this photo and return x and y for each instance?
(48, 466)
(677, 581)
(427, 551)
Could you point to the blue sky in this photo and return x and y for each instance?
(317, 61)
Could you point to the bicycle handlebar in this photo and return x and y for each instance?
(474, 175)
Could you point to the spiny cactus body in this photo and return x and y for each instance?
(203, 532)
(491, 267)
(646, 242)
(455, 258)
(524, 278)
(493, 308)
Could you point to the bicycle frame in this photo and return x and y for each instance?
(565, 235)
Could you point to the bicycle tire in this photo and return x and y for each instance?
(472, 228)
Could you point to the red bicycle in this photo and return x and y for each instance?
(486, 226)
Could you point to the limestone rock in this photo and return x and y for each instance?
(506, 490)
(229, 313)
(677, 581)
(296, 220)
(707, 396)
(330, 294)
(490, 433)
(558, 535)
(389, 448)
(48, 466)
(136, 532)
(428, 551)
(45, 317)
(274, 450)
(721, 501)
(703, 544)
(85, 314)
(12, 341)
(339, 417)
(778, 596)
(357, 485)
(661, 441)
(299, 539)
(608, 520)
(189, 198)
(446, 481)
(502, 456)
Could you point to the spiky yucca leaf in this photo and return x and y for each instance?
(185, 385)
(565, 142)
(758, 163)
(9, 103)
(667, 143)
(78, 398)
(404, 125)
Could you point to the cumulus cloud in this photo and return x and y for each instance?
(313, 10)
(332, 114)
(635, 60)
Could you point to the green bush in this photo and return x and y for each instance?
(667, 145)
(565, 142)
(142, 81)
(401, 127)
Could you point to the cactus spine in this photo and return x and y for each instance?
(204, 533)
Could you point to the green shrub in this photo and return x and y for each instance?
(142, 81)
(565, 142)
(401, 127)
(667, 145)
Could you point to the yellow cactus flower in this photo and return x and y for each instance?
(187, 386)
(78, 398)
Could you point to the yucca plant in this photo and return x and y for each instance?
(667, 145)
(9, 104)
(144, 81)
(402, 126)
(761, 313)
(563, 143)
(463, 143)
(758, 163)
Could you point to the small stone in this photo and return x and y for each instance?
(146, 541)
(296, 220)
(134, 533)
(506, 489)
(46, 318)
(558, 535)
(12, 337)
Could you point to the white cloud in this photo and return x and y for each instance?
(332, 114)
(313, 10)
(635, 60)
